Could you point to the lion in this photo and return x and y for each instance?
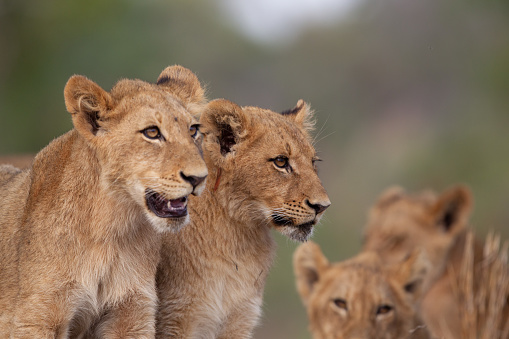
(360, 297)
(212, 274)
(400, 222)
(80, 230)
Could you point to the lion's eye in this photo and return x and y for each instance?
(152, 133)
(193, 130)
(383, 309)
(281, 162)
(341, 303)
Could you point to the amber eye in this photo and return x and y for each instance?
(384, 309)
(281, 162)
(193, 130)
(341, 303)
(152, 133)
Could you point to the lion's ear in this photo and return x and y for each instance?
(390, 195)
(88, 103)
(182, 83)
(302, 115)
(225, 124)
(308, 264)
(453, 208)
(411, 273)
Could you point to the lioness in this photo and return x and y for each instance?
(360, 298)
(80, 229)
(400, 222)
(212, 274)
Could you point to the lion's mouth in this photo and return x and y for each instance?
(166, 208)
(299, 232)
(285, 221)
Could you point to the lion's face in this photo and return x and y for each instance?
(359, 298)
(400, 222)
(147, 141)
(267, 162)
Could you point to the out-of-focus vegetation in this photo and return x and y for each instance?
(414, 93)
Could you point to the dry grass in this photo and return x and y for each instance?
(482, 290)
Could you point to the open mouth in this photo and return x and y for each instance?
(166, 208)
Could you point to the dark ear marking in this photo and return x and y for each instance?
(450, 215)
(226, 138)
(92, 118)
(164, 79)
(295, 110)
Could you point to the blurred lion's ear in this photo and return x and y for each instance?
(411, 273)
(88, 104)
(302, 115)
(308, 265)
(452, 210)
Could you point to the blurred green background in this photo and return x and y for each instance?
(414, 93)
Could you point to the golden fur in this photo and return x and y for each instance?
(212, 273)
(79, 235)
(400, 222)
(360, 298)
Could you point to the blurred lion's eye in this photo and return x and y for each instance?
(152, 133)
(341, 303)
(384, 309)
(193, 130)
(281, 162)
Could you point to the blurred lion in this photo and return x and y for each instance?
(400, 222)
(360, 298)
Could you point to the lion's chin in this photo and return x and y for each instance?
(163, 225)
(300, 232)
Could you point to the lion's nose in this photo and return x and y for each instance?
(319, 207)
(192, 179)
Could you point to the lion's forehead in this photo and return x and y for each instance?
(160, 110)
(362, 287)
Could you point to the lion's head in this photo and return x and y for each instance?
(400, 222)
(360, 298)
(264, 164)
(146, 139)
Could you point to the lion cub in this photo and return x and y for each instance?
(360, 298)
(400, 222)
(80, 229)
(212, 273)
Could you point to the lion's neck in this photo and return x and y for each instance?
(227, 221)
(68, 174)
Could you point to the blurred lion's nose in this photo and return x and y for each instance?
(192, 179)
(319, 207)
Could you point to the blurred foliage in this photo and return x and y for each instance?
(413, 93)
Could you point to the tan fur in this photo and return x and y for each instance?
(212, 274)
(400, 222)
(78, 242)
(360, 298)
